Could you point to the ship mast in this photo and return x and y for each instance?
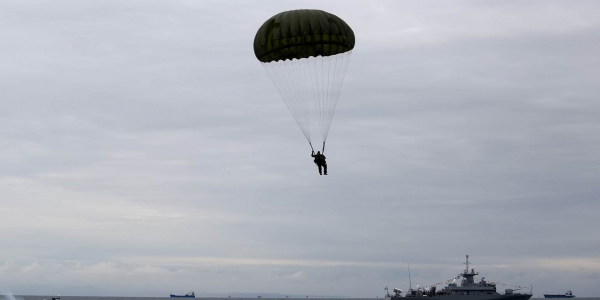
(409, 282)
(467, 263)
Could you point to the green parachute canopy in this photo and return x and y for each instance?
(301, 34)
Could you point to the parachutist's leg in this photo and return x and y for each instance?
(320, 172)
(325, 168)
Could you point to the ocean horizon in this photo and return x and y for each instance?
(49, 297)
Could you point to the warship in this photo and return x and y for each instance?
(467, 290)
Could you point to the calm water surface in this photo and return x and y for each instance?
(200, 298)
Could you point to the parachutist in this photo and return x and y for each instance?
(306, 50)
(320, 161)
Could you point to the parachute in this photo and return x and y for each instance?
(306, 53)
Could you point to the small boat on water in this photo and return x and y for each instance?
(188, 295)
(568, 294)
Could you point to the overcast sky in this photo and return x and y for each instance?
(143, 148)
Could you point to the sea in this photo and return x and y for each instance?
(25, 297)
(28, 297)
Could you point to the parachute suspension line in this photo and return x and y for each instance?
(272, 72)
(323, 95)
(326, 103)
(332, 98)
(316, 86)
(319, 82)
(341, 84)
(306, 92)
(290, 85)
(340, 59)
(290, 72)
(325, 87)
(276, 75)
(279, 88)
(323, 90)
(290, 78)
(289, 96)
(332, 94)
(302, 90)
(312, 65)
(323, 152)
(345, 62)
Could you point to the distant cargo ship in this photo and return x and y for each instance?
(188, 295)
(568, 294)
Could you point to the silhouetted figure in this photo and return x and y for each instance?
(320, 161)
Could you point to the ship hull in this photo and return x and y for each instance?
(482, 297)
(471, 297)
(182, 296)
(557, 296)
